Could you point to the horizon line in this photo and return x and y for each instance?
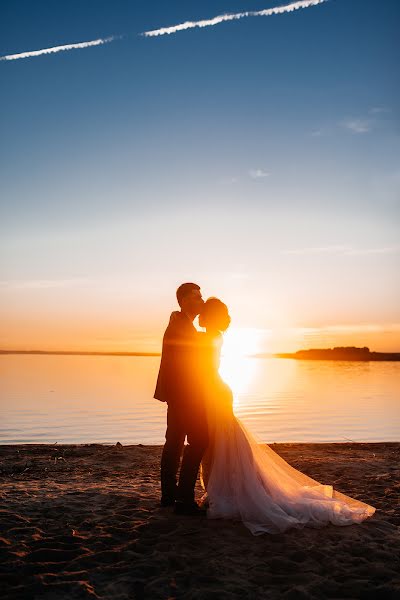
(82, 352)
(154, 354)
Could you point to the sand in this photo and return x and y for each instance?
(83, 521)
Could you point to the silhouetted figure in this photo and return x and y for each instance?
(179, 384)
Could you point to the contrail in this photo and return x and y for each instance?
(31, 53)
(277, 10)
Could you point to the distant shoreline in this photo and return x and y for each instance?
(345, 353)
(332, 354)
(79, 353)
(384, 358)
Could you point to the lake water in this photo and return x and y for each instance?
(79, 399)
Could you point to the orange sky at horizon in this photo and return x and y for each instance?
(112, 287)
(292, 300)
(76, 335)
(116, 316)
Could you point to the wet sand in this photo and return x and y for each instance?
(83, 521)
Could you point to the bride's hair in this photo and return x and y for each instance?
(214, 315)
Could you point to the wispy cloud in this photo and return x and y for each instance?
(277, 10)
(357, 125)
(344, 250)
(365, 123)
(377, 110)
(54, 49)
(348, 329)
(383, 250)
(318, 250)
(228, 180)
(43, 284)
(258, 173)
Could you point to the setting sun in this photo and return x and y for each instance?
(239, 343)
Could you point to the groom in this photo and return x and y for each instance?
(179, 385)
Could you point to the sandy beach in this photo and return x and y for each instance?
(83, 521)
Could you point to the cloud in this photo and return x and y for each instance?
(357, 125)
(319, 250)
(228, 180)
(383, 250)
(344, 250)
(43, 284)
(54, 49)
(349, 328)
(365, 123)
(233, 17)
(258, 173)
(377, 110)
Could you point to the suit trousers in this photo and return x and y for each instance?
(191, 423)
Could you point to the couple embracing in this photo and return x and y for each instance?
(243, 480)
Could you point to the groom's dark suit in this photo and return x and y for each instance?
(179, 384)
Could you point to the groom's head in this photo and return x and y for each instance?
(189, 298)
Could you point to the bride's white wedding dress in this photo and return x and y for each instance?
(249, 482)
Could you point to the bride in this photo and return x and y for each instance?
(247, 481)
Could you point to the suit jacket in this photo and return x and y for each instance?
(178, 377)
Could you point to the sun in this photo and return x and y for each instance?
(241, 342)
(236, 369)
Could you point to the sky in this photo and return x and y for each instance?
(258, 157)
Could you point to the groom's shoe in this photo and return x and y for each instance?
(192, 509)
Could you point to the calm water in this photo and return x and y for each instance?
(76, 399)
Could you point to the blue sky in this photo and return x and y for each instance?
(259, 157)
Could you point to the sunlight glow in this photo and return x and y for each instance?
(235, 368)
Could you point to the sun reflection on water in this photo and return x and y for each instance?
(237, 370)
